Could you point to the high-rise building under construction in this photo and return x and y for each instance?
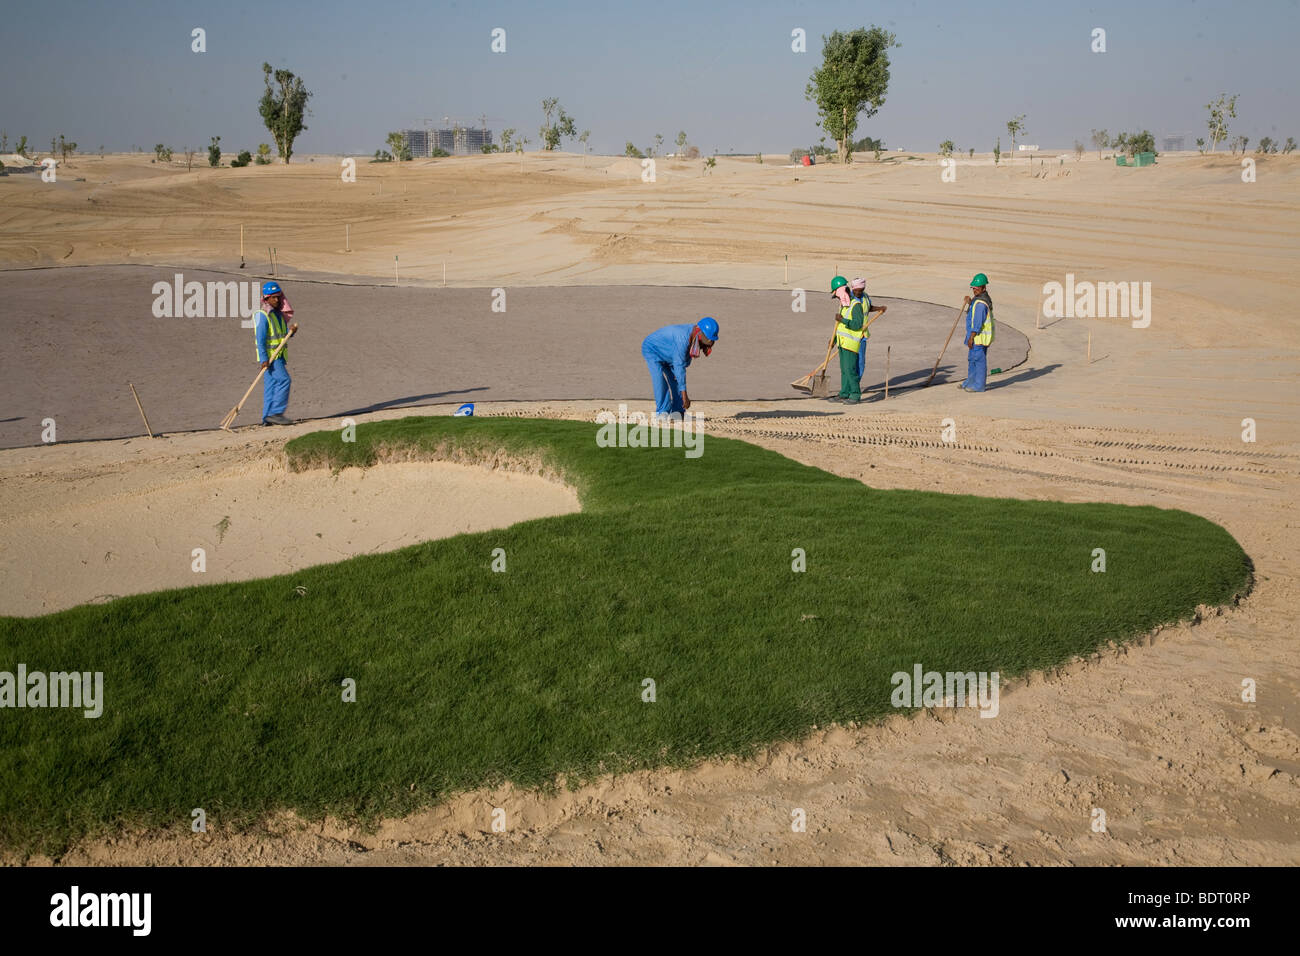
(457, 140)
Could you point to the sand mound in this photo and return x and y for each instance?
(252, 519)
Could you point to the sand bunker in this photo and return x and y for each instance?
(252, 520)
(370, 348)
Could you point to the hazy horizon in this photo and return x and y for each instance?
(125, 76)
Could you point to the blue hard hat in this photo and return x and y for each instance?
(270, 288)
(709, 326)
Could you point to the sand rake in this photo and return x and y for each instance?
(230, 415)
(814, 383)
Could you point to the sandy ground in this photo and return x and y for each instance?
(128, 530)
(365, 348)
(1156, 736)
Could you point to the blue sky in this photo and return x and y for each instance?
(121, 73)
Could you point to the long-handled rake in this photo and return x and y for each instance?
(960, 312)
(814, 383)
(230, 415)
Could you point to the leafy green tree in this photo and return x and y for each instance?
(563, 125)
(263, 154)
(1200, 145)
(162, 154)
(283, 108)
(946, 148)
(853, 79)
(214, 151)
(1289, 145)
(22, 147)
(1266, 145)
(630, 150)
(382, 156)
(396, 144)
(997, 152)
(66, 147)
(681, 143)
(710, 163)
(242, 160)
(439, 153)
(1221, 110)
(659, 142)
(1015, 127)
(506, 136)
(1079, 149)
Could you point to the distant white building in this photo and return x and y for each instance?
(1027, 148)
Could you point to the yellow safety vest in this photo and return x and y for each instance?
(845, 336)
(985, 335)
(276, 330)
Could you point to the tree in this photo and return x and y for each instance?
(1078, 150)
(681, 143)
(382, 156)
(946, 148)
(506, 137)
(283, 110)
(709, 164)
(189, 158)
(1100, 140)
(1015, 127)
(551, 132)
(1266, 145)
(66, 148)
(22, 147)
(396, 144)
(263, 154)
(244, 158)
(630, 150)
(997, 152)
(853, 79)
(586, 135)
(972, 152)
(1289, 146)
(659, 142)
(1239, 143)
(1225, 106)
(1200, 145)
(439, 153)
(162, 154)
(214, 151)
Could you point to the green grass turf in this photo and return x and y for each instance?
(227, 696)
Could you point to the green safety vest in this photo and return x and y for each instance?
(985, 335)
(846, 337)
(276, 330)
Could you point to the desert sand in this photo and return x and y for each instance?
(1157, 734)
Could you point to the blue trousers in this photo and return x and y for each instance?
(275, 389)
(862, 359)
(668, 400)
(977, 368)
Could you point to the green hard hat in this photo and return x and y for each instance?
(838, 282)
(980, 279)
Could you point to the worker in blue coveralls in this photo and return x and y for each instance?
(667, 352)
(270, 328)
(979, 333)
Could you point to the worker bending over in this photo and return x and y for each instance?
(270, 328)
(667, 352)
(979, 333)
